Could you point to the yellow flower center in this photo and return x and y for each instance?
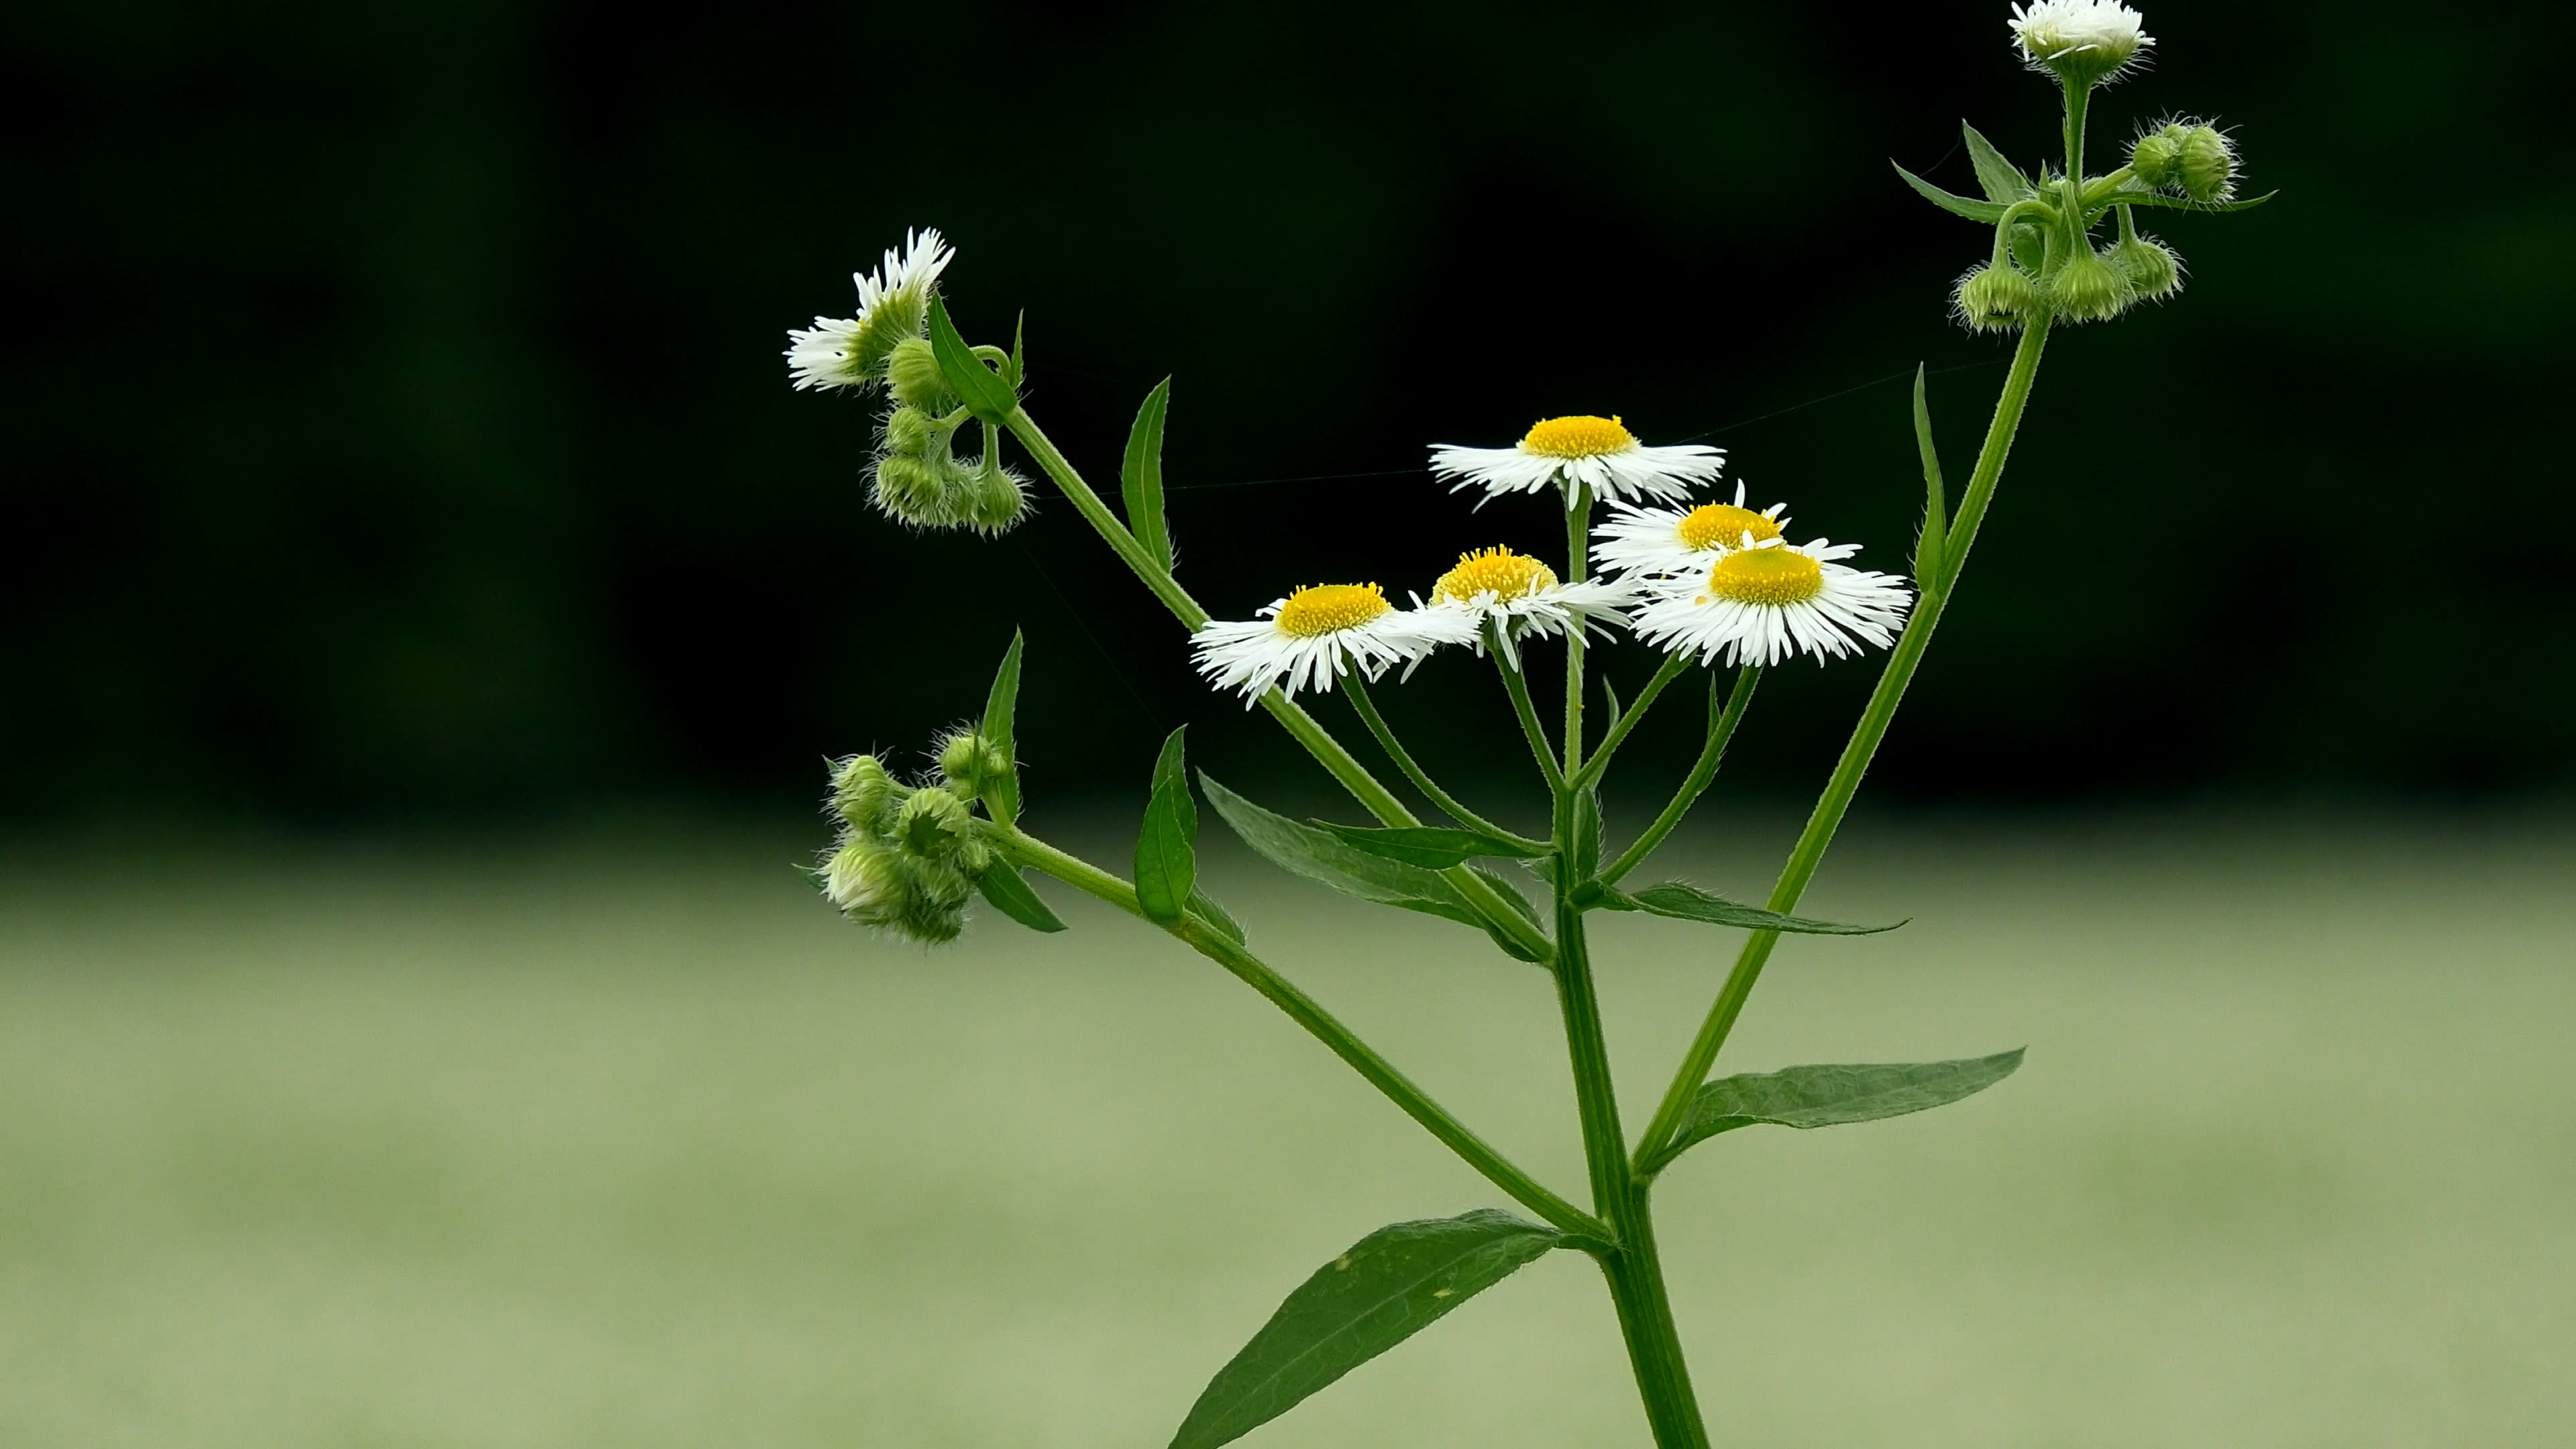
(1311, 613)
(1578, 437)
(1766, 576)
(1723, 525)
(1497, 571)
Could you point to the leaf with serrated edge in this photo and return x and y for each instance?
(1998, 178)
(1320, 857)
(1167, 863)
(1140, 476)
(986, 396)
(1831, 1096)
(1429, 846)
(1988, 212)
(1683, 901)
(1205, 906)
(1001, 706)
(1390, 1286)
(1011, 896)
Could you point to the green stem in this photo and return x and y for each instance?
(1518, 688)
(1839, 790)
(1578, 538)
(1204, 938)
(1721, 728)
(1329, 752)
(1599, 764)
(1366, 708)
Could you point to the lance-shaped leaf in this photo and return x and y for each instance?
(2177, 203)
(1587, 831)
(1936, 519)
(1390, 1286)
(1320, 856)
(1988, 212)
(987, 396)
(1204, 905)
(1011, 896)
(1511, 894)
(1167, 862)
(1140, 477)
(1431, 847)
(1998, 178)
(1001, 706)
(1683, 901)
(1829, 1096)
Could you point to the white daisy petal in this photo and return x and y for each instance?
(1642, 542)
(1302, 642)
(894, 303)
(1769, 601)
(2086, 40)
(1580, 451)
(1524, 598)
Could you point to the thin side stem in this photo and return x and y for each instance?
(1599, 764)
(1205, 939)
(1839, 790)
(1721, 728)
(1578, 537)
(1518, 688)
(1366, 708)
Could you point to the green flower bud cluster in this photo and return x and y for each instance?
(2187, 158)
(919, 479)
(907, 857)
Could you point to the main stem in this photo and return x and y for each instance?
(1830, 808)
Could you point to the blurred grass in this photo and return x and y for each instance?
(305, 1147)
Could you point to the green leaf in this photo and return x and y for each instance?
(1511, 894)
(1431, 847)
(1989, 212)
(1936, 521)
(1001, 706)
(1320, 856)
(1019, 335)
(1390, 1286)
(1011, 896)
(2177, 203)
(1204, 905)
(2001, 180)
(1141, 475)
(986, 396)
(1829, 1096)
(1613, 695)
(1587, 832)
(1167, 862)
(1685, 902)
(2029, 247)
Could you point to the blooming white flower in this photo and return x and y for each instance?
(1599, 453)
(2085, 40)
(1523, 596)
(1768, 600)
(1655, 542)
(894, 303)
(1302, 641)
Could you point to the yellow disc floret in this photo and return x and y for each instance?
(1497, 571)
(1322, 609)
(1578, 437)
(1723, 525)
(1766, 576)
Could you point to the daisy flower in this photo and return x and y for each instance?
(1650, 542)
(2083, 40)
(1768, 601)
(1302, 641)
(1523, 597)
(894, 303)
(1599, 453)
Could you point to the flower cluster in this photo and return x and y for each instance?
(907, 858)
(1713, 580)
(919, 477)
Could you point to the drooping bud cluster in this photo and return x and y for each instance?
(907, 857)
(2187, 158)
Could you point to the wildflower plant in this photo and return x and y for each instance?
(1710, 583)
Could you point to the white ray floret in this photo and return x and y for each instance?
(2093, 37)
(1581, 451)
(1301, 642)
(1767, 600)
(1643, 542)
(1523, 597)
(894, 303)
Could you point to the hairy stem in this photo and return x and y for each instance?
(1518, 688)
(1578, 538)
(1366, 708)
(1721, 728)
(1599, 764)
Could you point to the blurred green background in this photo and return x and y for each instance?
(428, 605)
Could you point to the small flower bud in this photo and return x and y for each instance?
(2207, 166)
(995, 499)
(861, 790)
(2086, 289)
(930, 922)
(972, 761)
(973, 858)
(1996, 299)
(911, 432)
(2150, 268)
(865, 881)
(2157, 157)
(912, 490)
(941, 883)
(912, 372)
(930, 823)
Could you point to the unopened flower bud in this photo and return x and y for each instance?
(861, 790)
(2150, 267)
(911, 432)
(933, 923)
(865, 881)
(912, 490)
(972, 761)
(2207, 166)
(2085, 41)
(930, 823)
(912, 372)
(2157, 156)
(995, 499)
(1996, 298)
(2086, 289)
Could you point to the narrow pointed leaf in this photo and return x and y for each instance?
(986, 396)
(1685, 902)
(1831, 1096)
(2176, 203)
(1205, 906)
(1613, 695)
(1140, 477)
(2000, 179)
(1587, 832)
(1390, 1286)
(1001, 708)
(1167, 862)
(1988, 212)
(1936, 521)
(1431, 847)
(2029, 247)
(1511, 945)
(1011, 896)
(1019, 336)
(1320, 856)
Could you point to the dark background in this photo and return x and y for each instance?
(397, 424)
